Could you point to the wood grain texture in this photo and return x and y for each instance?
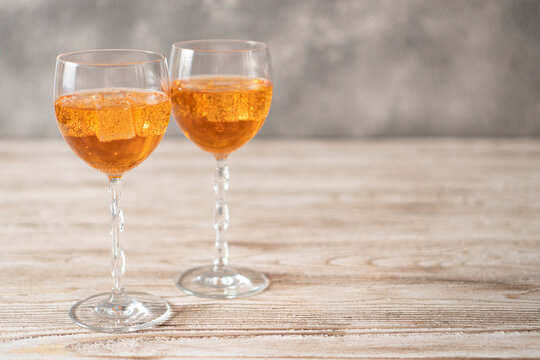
(375, 249)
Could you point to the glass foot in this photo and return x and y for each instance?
(225, 283)
(119, 313)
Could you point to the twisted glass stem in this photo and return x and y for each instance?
(221, 214)
(118, 259)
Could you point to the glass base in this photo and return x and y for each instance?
(225, 283)
(119, 313)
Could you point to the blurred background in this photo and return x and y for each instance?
(342, 68)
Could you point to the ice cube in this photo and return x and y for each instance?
(114, 97)
(114, 123)
(114, 117)
(75, 115)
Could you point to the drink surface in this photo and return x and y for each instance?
(220, 114)
(113, 130)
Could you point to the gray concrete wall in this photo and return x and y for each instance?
(344, 68)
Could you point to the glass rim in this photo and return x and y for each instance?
(256, 45)
(63, 57)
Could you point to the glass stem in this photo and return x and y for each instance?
(118, 259)
(221, 214)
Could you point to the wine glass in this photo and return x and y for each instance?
(221, 92)
(112, 108)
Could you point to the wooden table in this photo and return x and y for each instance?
(374, 249)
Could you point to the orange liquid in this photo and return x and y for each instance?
(223, 113)
(113, 130)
